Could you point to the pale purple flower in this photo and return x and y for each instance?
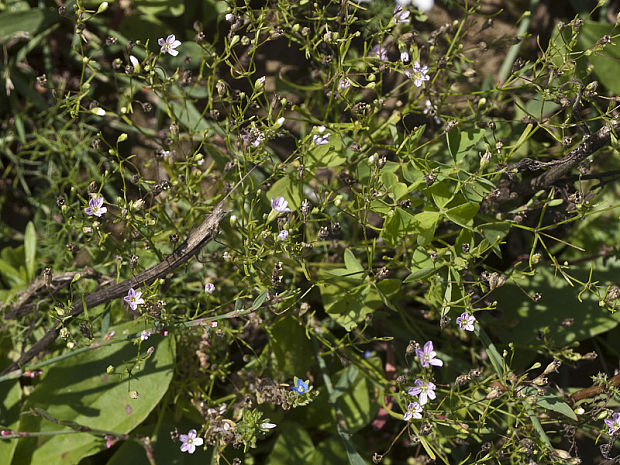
(283, 235)
(169, 44)
(418, 73)
(379, 52)
(466, 321)
(209, 288)
(229, 17)
(321, 139)
(613, 424)
(144, 335)
(254, 139)
(344, 83)
(133, 299)
(414, 410)
(95, 207)
(428, 356)
(190, 441)
(279, 205)
(401, 16)
(423, 390)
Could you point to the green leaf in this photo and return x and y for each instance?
(30, 249)
(345, 303)
(30, 21)
(394, 186)
(606, 64)
(291, 347)
(352, 264)
(326, 156)
(259, 300)
(425, 224)
(398, 226)
(463, 215)
(10, 393)
(294, 445)
(290, 188)
(353, 400)
(329, 452)
(79, 389)
(550, 402)
(461, 142)
(160, 7)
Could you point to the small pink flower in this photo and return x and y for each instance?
(279, 205)
(466, 321)
(423, 390)
(414, 410)
(379, 52)
(169, 45)
(428, 356)
(401, 16)
(209, 288)
(133, 298)
(144, 335)
(418, 73)
(190, 441)
(95, 207)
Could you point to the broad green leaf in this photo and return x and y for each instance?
(354, 399)
(79, 389)
(293, 446)
(329, 452)
(461, 142)
(394, 186)
(352, 264)
(327, 155)
(290, 188)
(463, 215)
(30, 21)
(523, 317)
(290, 346)
(398, 226)
(345, 303)
(441, 192)
(425, 224)
(606, 63)
(30, 249)
(160, 7)
(10, 393)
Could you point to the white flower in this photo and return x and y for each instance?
(190, 441)
(209, 288)
(283, 235)
(267, 425)
(134, 61)
(144, 335)
(422, 5)
(279, 205)
(169, 44)
(404, 57)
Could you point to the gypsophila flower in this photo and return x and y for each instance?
(401, 16)
(209, 288)
(133, 298)
(267, 425)
(379, 52)
(424, 391)
(95, 207)
(344, 83)
(404, 57)
(300, 386)
(169, 44)
(229, 17)
(190, 441)
(613, 424)
(144, 335)
(321, 139)
(418, 73)
(466, 321)
(279, 205)
(428, 356)
(283, 235)
(422, 5)
(414, 410)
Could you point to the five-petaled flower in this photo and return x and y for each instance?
(379, 52)
(300, 386)
(133, 298)
(418, 73)
(401, 15)
(414, 410)
(190, 441)
(423, 390)
(428, 356)
(169, 44)
(283, 235)
(613, 424)
(466, 321)
(95, 207)
(209, 288)
(279, 205)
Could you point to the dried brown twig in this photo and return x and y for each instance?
(203, 234)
